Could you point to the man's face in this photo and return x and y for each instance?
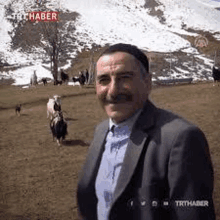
(120, 87)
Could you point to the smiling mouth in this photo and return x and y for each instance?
(116, 103)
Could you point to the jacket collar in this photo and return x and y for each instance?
(147, 118)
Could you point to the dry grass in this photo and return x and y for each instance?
(38, 178)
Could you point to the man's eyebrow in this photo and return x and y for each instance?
(102, 74)
(126, 72)
(117, 74)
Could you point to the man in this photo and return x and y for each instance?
(144, 163)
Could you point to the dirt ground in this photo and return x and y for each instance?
(38, 179)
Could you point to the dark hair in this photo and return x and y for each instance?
(131, 49)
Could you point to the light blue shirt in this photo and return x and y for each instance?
(111, 163)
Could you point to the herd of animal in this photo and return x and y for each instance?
(82, 78)
(58, 124)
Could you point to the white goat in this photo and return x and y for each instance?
(33, 80)
(53, 105)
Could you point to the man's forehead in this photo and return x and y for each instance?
(115, 58)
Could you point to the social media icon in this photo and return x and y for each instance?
(154, 203)
(165, 203)
(143, 203)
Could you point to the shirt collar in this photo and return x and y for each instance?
(128, 122)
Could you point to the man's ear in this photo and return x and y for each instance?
(148, 81)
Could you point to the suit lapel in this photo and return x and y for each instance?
(135, 146)
(94, 155)
(134, 149)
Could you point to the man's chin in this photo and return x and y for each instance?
(117, 112)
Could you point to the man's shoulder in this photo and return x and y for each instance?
(174, 123)
(166, 119)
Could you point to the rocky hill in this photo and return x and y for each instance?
(172, 45)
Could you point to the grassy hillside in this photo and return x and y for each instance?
(38, 178)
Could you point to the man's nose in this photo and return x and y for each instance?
(114, 87)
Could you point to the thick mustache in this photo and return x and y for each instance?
(118, 99)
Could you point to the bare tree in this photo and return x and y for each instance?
(91, 68)
(92, 65)
(52, 39)
(53, 43)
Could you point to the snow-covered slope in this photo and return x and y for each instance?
(196, 14)
(129, 21)
(113, 21)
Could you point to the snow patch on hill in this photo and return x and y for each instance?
(129, 21)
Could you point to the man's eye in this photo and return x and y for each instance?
(103, 80)
(126, 76)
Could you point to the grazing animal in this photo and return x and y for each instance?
(18, 109)
(82, 79)
(53, 105)
(216, 75)
(75, 79)
(64, 76)
(44, 80)
(57, 82)
(58, 127)
(33, 80)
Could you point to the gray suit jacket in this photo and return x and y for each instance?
(167, 159)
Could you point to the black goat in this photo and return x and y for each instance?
(82, 79)
(44, 80)
(64, 76)
(58, 127)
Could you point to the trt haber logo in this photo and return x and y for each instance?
(43, 16)
(37, 16)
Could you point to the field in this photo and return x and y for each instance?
(38, 179)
